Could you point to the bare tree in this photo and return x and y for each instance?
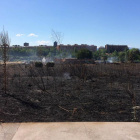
(57, 36)
(4, 45)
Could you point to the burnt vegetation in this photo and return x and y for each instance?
(70, 92)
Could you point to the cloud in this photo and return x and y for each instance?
(43, 42)
(20, 34)
(32, 35)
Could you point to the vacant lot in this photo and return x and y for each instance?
(99, 92)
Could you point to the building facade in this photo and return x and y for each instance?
(68, 47)
(101, 48)
(55, 44)
(26, 44)
(16, 46)
(112, 48)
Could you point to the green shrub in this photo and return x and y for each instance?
(50, 64)
(39, 64)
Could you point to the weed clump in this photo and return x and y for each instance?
(50, 64)
(39, 64)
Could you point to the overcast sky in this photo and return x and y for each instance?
(96, 22)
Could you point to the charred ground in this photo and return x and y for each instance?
(102, 92)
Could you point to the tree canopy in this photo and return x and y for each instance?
(84, 54)
(133, 54)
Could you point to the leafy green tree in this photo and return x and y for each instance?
(133, 55)
(73, 54)
(41, 51)
(115, 56)
(101, 52)
(53, 51)
(115, 53)
(84, 54)
(121, 57)
(104, 57)
(96, 55)
(126, 51)
(21, 51)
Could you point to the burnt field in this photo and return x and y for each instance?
(71, 92)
